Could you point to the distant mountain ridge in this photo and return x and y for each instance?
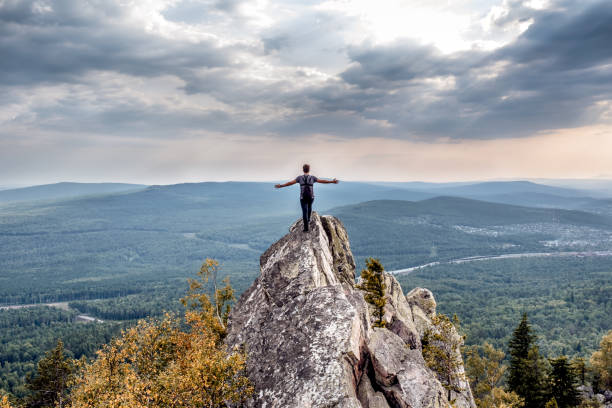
(404, 233)
(508, 192)
(475, 212)
(63, 190)
(488, 187)
(88, 236)
(520, 192)
(138, 246)
(509, 187)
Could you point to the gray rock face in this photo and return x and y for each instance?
(423, 308)
(585, 391)
(399, 315)
(402, 373)
(308, 334)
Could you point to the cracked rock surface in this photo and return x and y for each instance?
(308, 334)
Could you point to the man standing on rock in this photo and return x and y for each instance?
(306, 191)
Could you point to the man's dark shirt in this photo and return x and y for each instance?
(302, 180)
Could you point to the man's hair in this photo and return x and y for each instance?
(306, 168)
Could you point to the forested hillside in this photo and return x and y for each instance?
(568, 300)
(64, 191)
(404, 234)
(26, 334)
(122, 256)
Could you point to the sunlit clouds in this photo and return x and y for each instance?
(170, 91)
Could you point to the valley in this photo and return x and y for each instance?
(127, 255)
(573, 254)
(60, 305)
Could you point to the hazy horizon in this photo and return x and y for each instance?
(189, 90)
(573, 183)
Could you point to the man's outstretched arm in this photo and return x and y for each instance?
(334, 181)
(287, 184)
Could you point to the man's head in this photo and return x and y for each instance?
(306, 168)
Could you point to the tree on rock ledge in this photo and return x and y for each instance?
(441, 346)
(373, 283)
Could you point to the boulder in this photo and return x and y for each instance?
(423, 308)
(585, 392)
(368, 397)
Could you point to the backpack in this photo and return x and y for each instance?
(308, 193)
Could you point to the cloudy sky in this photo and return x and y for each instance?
(164, 91)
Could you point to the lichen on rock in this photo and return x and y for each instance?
(308, 331)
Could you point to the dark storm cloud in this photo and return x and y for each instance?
(565, 40)
(72, 38)
(551, 77)
(198, 11)
(399, 63)
(558, 70)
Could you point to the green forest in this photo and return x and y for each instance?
(26, 334)
(124, 256)
(568, 300)
(62, 377)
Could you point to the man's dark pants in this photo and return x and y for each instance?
(306, 210)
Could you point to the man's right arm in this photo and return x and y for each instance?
(287, 184)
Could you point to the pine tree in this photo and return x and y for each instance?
(373, 283)
(49, 387)
(441, 346)
(527, 369)
(535, 379)
(579, 366)
(519, 345)
(562, 380)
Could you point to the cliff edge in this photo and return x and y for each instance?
(309, 336)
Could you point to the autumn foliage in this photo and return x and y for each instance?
(485, 371)
(601, 361)
(4, 402)
(160, 364)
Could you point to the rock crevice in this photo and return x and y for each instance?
(309, 337)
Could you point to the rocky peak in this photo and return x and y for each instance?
(308, 333)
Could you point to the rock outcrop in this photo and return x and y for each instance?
(309, 337)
